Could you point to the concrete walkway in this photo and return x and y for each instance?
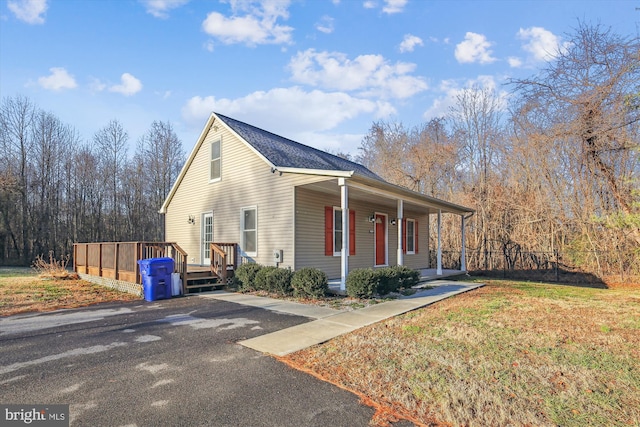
(331, 323)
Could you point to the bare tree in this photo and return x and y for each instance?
(55, 191)
(423, 158)
(111, 141)
(163, 159)
(476, 120)
(88, 194)
(433, 160)
(53, 143)
(383, 151)
(585, 107)
(16, 121)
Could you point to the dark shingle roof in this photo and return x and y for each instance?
(285, 153)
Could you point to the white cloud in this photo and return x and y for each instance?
(161, 8)
(410, 42)
(29, 11)
(450, 89)
(291, 112)
(325, 25)
(514, 62)
(129, 85)
(209, 45)
(313, 111)
(369, 75)
(389, 7)
(252, 23)
(96, 85)
(541, 44)
(58, 79)
(394, 6)
(474, 48)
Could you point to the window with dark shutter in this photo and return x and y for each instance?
(333, 231)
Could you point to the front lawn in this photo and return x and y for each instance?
(23, 291)
(510, 353)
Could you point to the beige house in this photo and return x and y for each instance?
(291, 205)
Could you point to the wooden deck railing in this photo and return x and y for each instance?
(224, 257)
(119, 260)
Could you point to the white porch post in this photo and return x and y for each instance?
(400, 215)
(463, 252)
(439, 267)
(344, 253)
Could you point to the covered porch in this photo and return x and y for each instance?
(392, 227)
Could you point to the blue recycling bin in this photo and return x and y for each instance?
(156, 278)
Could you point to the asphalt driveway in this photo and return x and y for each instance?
(166, 363)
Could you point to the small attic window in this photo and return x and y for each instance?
(216, 161)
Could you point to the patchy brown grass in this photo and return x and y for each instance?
(21, 291)
(511, 353)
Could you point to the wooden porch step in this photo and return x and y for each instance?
(201, 280)
(203, 285)
(197, 275)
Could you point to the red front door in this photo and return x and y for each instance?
(381, 239)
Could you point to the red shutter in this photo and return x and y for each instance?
(404, 236)
(328, 230)
(352, 232)
(415, 231)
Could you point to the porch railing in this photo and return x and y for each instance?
(224, 257)
(119, 260)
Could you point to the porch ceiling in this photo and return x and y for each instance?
(386, 197)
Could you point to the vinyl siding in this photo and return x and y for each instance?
(309, 239)
(246, 181)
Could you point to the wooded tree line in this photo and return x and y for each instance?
(56, 189)
(553, 167)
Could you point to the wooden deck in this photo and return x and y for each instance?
(119, 261)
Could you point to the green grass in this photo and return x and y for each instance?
(6, 272)
(511, 353)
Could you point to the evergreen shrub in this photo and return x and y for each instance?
(362, 283)
(309, 282)
(274, 279)
(245, 276)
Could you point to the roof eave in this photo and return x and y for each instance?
(319, 172)
(410, 194)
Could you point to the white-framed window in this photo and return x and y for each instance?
(333, 231)
(249, 230)
(411, 236)
(215, 168)
(337, 231)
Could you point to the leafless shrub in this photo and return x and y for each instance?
(53, 268)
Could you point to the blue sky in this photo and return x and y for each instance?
(316, 71)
